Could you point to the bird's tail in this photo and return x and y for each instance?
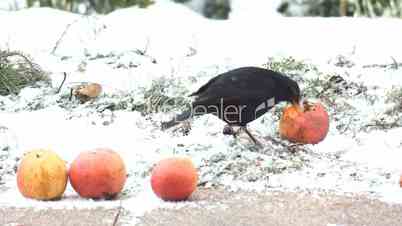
(176, 120)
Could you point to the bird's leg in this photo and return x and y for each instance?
(228, 130)
(185, 127)
(251, 136)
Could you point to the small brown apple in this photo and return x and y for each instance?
(87, 92)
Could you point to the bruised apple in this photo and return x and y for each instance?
(308, 125)
(87, 92)
(98, 173)
(42, 175)
(174, 179)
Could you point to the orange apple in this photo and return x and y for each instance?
(400, 181)
(42, 175)
(308, 125)
(174, 179)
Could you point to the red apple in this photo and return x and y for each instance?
(174, 179)
(99, 173)
(309, 125)
(400, 181)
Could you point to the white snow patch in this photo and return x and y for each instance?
(379, 149)
(172, 32)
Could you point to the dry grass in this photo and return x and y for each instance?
(18, 71)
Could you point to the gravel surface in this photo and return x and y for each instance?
(219, 207)
(77, 217)
(279, 209)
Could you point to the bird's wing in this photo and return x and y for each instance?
(205, 86)
(240, 86)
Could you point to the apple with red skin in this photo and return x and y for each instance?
(400, 181)
(307, 125)
(174, 178)
(98, 173)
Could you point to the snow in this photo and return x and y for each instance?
(167, 32)
(378, 149)
(264, 10)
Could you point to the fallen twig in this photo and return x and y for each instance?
(144, 51)
(116, 218)
(378, 124)
(71, 94)
(395, 65)
(62, 83)
(62, 36)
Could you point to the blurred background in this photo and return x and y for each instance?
(222, 9)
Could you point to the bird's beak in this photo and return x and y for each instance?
(298, 103)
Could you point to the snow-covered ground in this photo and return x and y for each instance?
(186, 50)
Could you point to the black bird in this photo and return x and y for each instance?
(240, 96)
